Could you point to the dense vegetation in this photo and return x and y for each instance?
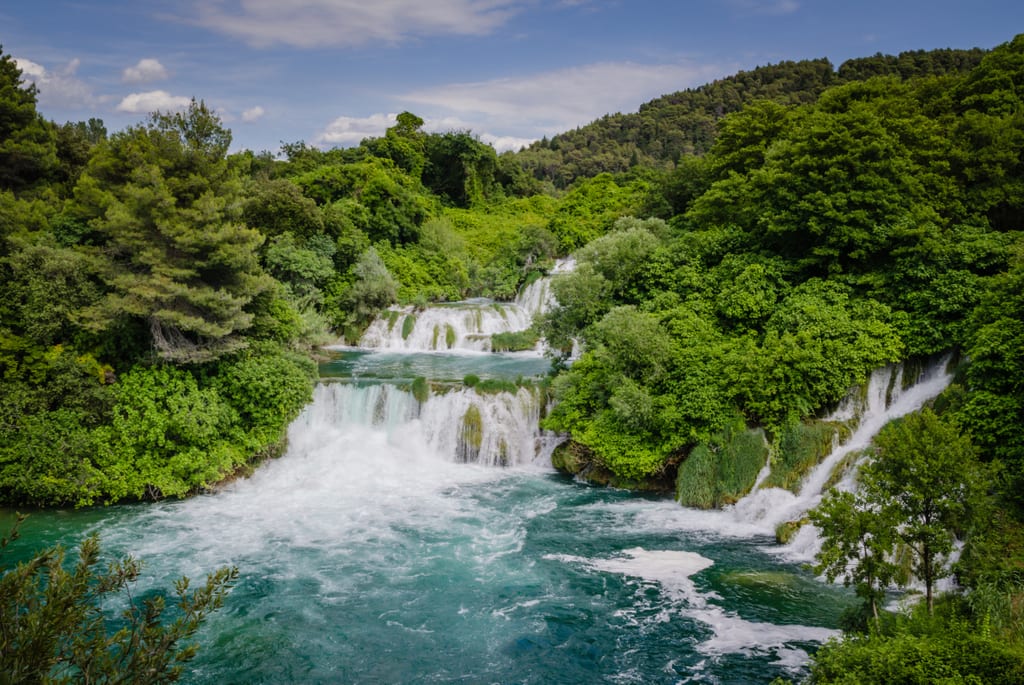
(746, 253)
(686, 122)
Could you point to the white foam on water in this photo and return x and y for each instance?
(673, 571)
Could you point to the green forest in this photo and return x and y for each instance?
(747, 252)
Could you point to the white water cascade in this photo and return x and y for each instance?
(466, 325)
(458, 326)
(885, 399)
(462, 425)
(538, 297)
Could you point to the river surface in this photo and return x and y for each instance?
(408, 541)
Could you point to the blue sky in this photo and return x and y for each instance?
(330, 72)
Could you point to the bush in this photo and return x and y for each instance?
(720, 474)
(54, 629)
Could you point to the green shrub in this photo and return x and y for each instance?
(515, 341)
(420, 389)
(800, 446)
(722, 472)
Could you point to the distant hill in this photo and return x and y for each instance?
(685, 122)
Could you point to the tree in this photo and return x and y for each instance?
(373, 288)
(53, 630)
(926, 475)
(28, 151)
(172, 250)
(923, 487)
(857, 545)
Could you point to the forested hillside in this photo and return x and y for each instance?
(685, 123)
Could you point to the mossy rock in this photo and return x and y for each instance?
(408, 324)
(576, 460)
(569, 457)
(420, 389)
(471, 436)
(785, 531)
(393, 319)
(724, 470)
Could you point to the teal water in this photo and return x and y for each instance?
(361, 364)
(367, 556)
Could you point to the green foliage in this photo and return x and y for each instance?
(923, 487)
(28, 152)
(993, 409)
(671, 127)
(722, 471)
(515, 341)
(817, 344)
(54, 624)
(267, 388)
(858, 543)
(460, 169)
(800, 446)
(420, 389)
(408, 324)
(920, 650)
(305, 270)
(590, 208)
(470, 380)
(372, 289)
(163, 200)
(167, 437)
(277, 206)
(471, 435)
(927, 476)
(383, 202)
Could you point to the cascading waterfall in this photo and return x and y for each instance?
(538, 297)
(886, 397)
(466, 326)
(457, 424)
(457, 326)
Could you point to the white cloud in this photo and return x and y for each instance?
(506, 143)
(513, 112)
(552, 102)
(146, 71)
(346, 131)
(143, 103)
(30, 70)
(343, 23)
(57, 87)
(253, 114)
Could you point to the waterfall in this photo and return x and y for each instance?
(458, 326)
(885, 398)
(495, 429)
(466, 325)
(538, 297)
